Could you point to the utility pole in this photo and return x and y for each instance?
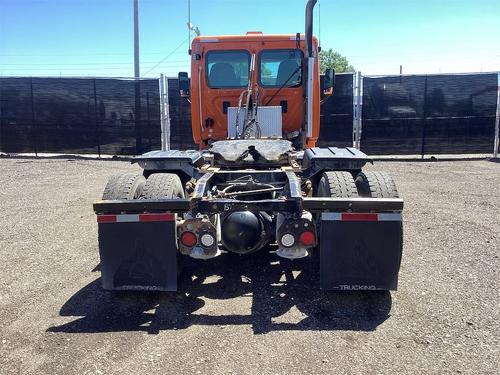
(137, 83)
(189, 25)
(136, 40)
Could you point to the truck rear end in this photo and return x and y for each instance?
(315, 203)
(258, 182)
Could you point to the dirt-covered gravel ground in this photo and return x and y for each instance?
(254, 315)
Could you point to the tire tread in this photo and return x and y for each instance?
(376, 185)
(163, 185)
(123, 186)
(340, 185)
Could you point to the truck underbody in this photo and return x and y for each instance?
(242, 196)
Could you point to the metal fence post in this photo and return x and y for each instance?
(137, 116)
(1, 117)
(354, 109)
(424, 119)
(34, 129)
(162, 105)
(360, 108)
(357, 109)
(148, 117)
(164, 113)
(496, 142)
(97, 122)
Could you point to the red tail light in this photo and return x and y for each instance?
(307, 238)
(188, 239)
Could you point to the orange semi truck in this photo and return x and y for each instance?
(257, 182)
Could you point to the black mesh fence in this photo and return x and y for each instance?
(336, 114)
(401, 115)
(435, 114)
(181, 137)
(78, 115)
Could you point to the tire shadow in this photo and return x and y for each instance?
(276, 286)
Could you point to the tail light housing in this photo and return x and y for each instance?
(207, 240)
(188, 239)
(307, 238)
(288, 240)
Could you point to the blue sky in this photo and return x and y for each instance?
(95, 37)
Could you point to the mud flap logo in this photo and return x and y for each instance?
(358, 287)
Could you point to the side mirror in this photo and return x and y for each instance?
(328, 82)
(184, 85)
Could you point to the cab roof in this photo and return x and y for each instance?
(251, 36)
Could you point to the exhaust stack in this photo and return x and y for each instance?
(308, 71)
(309, 27)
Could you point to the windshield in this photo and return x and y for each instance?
(280, 68)
(227, 69)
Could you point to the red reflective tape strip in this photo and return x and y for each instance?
(106, 218)
(156, 217)
(354, 216)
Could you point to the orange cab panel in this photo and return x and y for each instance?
(220, 69)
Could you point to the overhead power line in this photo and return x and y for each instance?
(93, 63)
(76, 68)
(166, 57)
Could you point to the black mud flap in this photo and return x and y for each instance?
(138, 251)
(360, 251)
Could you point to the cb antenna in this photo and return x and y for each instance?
(189, 25)
(319, 24)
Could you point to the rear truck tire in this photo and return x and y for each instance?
(357, 254)
(124, 187)
(337, 184)
(334, 184)
(163, 186)
(376, 185)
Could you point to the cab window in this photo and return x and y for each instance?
(227, 69)
(280, 68)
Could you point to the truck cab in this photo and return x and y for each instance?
(270, 65)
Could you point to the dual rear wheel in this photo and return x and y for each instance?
(134, 186)
(334, 184)
(341, 184)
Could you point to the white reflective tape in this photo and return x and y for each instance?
(337, 216)
(127, 218)
(135, 218)
(331, 216)
(389, 217)
(209, 40)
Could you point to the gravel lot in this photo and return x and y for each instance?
(253, 314)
